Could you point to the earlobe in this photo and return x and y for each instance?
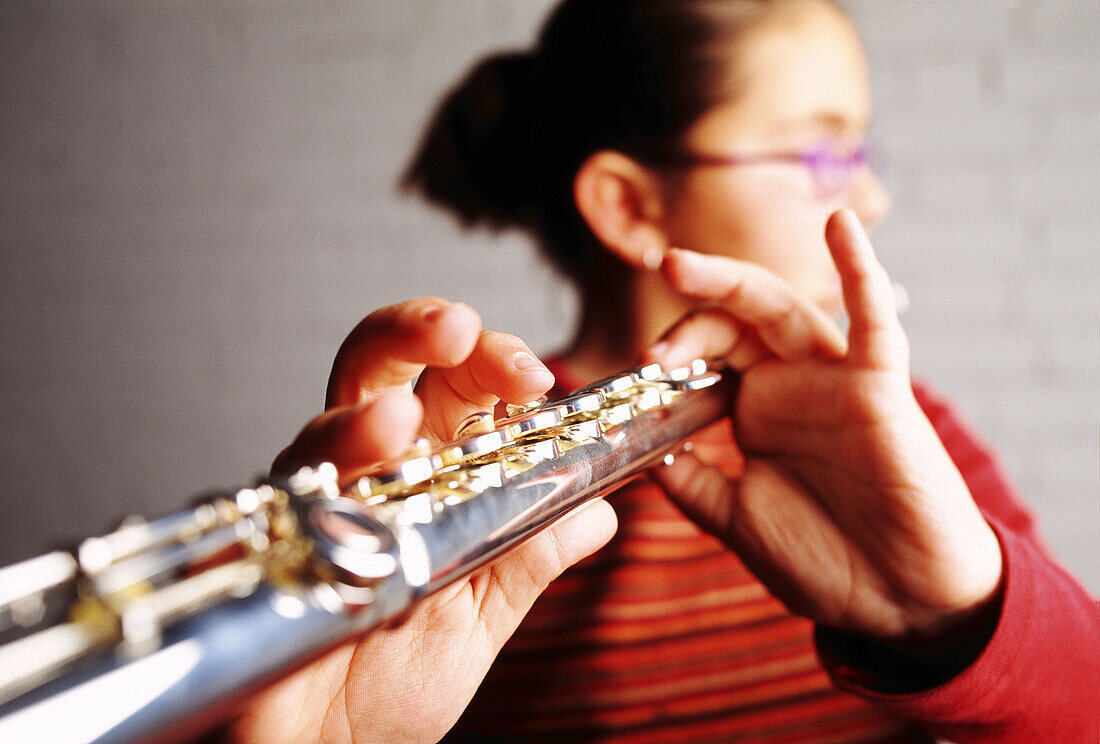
(619, 199)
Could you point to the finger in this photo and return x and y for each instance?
(704, 494)
(780, 531)
(875, 334)
(508, 588)
(392, 345)
(354, 438)
(708, 333)
(500, 367)
(790, 326)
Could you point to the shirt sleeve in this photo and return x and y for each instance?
(1038, 678)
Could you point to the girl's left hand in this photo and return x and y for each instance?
(849, 509)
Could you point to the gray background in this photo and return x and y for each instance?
(197, 203)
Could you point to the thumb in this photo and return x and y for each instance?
(516, 579)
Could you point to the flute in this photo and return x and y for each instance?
(158, 630)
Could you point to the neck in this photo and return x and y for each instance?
(623, 314)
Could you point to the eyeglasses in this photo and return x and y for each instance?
(831, 164)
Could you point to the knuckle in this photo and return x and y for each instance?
(736, 294)
(784, 316)
(499, 344)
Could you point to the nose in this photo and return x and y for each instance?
(869, 198)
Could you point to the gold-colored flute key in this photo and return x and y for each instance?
(394, 480)
(529, 422)
(581, 420)
(455, 453)
(514, 408)
(617, 413)
(648, 397)
(468, 481)
(535, 449)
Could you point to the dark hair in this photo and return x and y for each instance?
(628, 75)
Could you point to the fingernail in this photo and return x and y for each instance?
(652, 257)
(659, 349)
(692, 258)
(524, 362)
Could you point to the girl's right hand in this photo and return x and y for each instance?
(410, 683)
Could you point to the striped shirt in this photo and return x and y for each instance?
(665, 636)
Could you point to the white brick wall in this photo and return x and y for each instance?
(988, 112)
(197, 203)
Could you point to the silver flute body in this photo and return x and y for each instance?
(158, 631)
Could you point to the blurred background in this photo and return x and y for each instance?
(197, 203)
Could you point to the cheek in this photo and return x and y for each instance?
(768, 221)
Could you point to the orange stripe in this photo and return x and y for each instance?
(715, 681)
(632, 609)
(627, 659)
(698, 661)
(637, 581)
(664, 527)
(579, 630)
(681, 572)
(673, 550)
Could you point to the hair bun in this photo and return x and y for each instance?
(477, 153)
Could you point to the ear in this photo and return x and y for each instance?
(621, 201)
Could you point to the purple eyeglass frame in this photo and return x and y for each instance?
(830, 165)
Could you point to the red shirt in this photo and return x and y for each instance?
(664, 636)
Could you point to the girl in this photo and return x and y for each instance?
(844, 563)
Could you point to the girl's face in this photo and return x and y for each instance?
(803, 84)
